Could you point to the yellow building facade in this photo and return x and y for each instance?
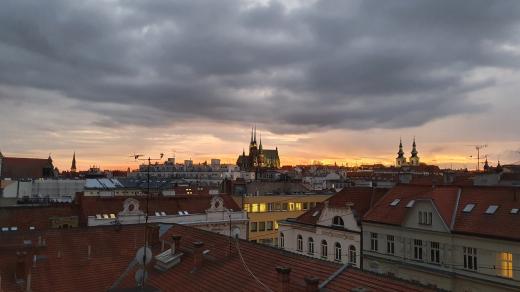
(266, 211)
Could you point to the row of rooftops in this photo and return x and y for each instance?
(476, 210)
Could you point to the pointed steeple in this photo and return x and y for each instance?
(400, 153)
(254, 140)
(73, 166)
(486, 165)
(251, 142)
(260, 146)
(414, 148)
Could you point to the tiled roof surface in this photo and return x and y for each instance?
(91, 206)
(38, 217)
(444, 198)
(16, 168)
(501, 224)
(363, 199)
(64, 264)
(354, 278)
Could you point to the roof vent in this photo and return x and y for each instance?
(491, 209)
(395, 202)
(468, 208)
(410, 204)
(514, 211)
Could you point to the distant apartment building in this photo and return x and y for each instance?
(455, 238)
(60, 190)
(332, 230)
(17, 168)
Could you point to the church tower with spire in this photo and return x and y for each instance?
(414, 159)
(400, 160)
(73, 166)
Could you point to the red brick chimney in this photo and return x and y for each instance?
(284, 278)
(21, 267)
(176, 243)
(197, 255)
(312, 284)
(153, 235)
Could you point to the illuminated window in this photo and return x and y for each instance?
(505, 264)
(276, 225)
(247, 207)
(254, 208)
(262, 207)
(298, 206)
(291, 206)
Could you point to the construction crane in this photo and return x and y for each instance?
(478, 147)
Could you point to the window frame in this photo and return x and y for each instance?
(390, 244)
(324, 249)
(337, 252)
(299, 243)
(374, 241)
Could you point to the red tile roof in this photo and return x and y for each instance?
(63, 263)
(362, 198)
(38, 217)
(24, 168)
(444, 198)
(91, 206)
(501, 224)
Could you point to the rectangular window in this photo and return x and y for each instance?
(261, 226)
(277, 206)
(270, 207)
(417, 249)
(284, 206)
(269, 225)
(291, 206)
(254, 227)
(470, 258)
(247, 207)
(425, 218)
(306, 206)
(298, 206)
(390, 244)
(262, 207)
(435, 252)
(505, 264)
(373, 241)
(254, 208)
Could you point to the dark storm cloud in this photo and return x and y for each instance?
(336, 64)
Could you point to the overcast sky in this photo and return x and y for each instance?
(323, 80)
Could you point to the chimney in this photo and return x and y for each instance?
(311, 284)
(176, 243)
(197, 255)
(153, 235)
(20, 272)
(284, 278)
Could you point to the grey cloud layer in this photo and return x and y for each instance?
(335, 64)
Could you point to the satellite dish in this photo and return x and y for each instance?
(141, 275)
(140, 255)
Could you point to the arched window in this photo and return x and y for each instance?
(338, 221)
(352, 255)
(337, 252)
(299, 243)
(324, 250)
(282, 240)
(310, 245)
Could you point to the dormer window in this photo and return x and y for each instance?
(338, 221)
(395, 202)
(425, 218)
(514, 211)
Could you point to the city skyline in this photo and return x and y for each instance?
(336, 81)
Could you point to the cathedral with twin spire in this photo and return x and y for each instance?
(258, 157)
(400, 160)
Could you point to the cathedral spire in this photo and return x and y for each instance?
(260, 146)
(400, 153)
(251, 135)
(255, 135)
(414, 148)
(73, 166)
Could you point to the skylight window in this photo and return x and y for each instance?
(31, 228)
(468, 208)
(113, 216)
(98, 216)
(105, 216)
(410, 204)
(491, 209)
(395, 202)
(14, 228)
(315, 213)
(4, 229)
(163, 213)
(514, 211)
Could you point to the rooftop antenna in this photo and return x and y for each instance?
(478, 147)
(144, 254)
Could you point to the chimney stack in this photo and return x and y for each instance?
(176, 243)
(20, 271)
(153, 235)
(197, 255)
(284, 278)
(311, 284)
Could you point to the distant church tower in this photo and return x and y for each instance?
(414, 159)
(400, 160)
(73, 166)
